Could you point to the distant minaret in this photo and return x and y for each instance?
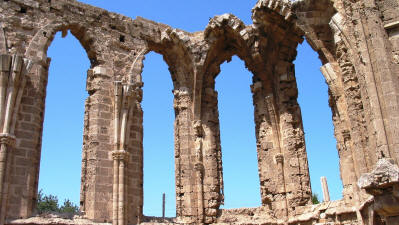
(163, 206)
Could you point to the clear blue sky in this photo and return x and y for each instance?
(63, 125)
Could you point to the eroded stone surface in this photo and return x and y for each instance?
(383, 184)
(386, 173)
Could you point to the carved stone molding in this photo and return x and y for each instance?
(120, 155)
(8, 140)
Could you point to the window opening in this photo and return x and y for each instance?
(60, 166)
(317, 121)
(158, 140)
(237, 133)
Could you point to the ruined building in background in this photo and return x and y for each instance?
(358, 45)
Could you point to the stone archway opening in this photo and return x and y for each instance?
(237, 134)
(61, 154)
(317, 118)
(158, 138)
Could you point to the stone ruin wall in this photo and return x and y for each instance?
(357, 43)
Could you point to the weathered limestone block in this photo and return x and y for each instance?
(187, 176)
(96, 186)
(212, 156)
(385, 174)
(383, 184)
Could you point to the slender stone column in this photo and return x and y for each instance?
(7, 142)
(5, 62)
(3, 165)
(279, 158)
(120, 158)
(199, 168)
(115, 193)
(200, 185)
(324, 186)
(125, 96)
(121, 195)
(13, 71)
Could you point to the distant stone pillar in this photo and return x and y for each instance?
(324, 186)
(13, 71)
(163, 206)
(124, 98)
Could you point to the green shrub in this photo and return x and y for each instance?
(46, 203)
(315, 199)
(69, 207)
(49, 203)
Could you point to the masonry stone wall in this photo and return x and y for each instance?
(357, 43)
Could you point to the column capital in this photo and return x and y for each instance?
(102, 71)
(120, 155)
(182, 98)
(127, 91)
(199, 166)
(7, 139)
(197, 126)
(180, 92)
(279, 158)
